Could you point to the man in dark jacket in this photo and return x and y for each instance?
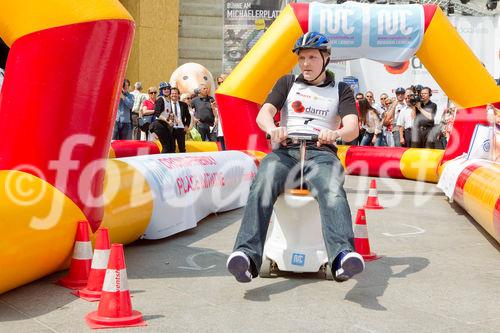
(424, 129)
(182, 119)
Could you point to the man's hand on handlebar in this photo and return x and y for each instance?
(281, 136)
(278, 135)
(327, 137)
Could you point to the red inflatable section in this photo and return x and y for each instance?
(301, 11)
(374, 161)
(463, 128)
(125, 148)
(56, 118)
(239, 117)
(429, 11)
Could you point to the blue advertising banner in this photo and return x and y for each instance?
(343, 24)
(398, 27)
(353, 82)
(391, 34)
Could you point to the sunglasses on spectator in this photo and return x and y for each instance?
(153, 92)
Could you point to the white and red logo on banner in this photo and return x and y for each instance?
(188, 187)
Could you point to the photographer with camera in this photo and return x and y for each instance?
(123, 122)
(424, 135)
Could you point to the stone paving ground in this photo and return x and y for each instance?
(439, 272)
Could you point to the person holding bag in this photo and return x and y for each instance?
(146, 113)
(192, 134)
(162, 127)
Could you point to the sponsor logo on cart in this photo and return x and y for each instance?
(298, 259)
(486, 145)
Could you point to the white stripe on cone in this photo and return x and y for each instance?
(372, 192)
(83, 250)
(360, 231)
(115, 280)
(100, 259)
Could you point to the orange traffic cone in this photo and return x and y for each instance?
(361, 242)
(92, 292)
(372, 200)
(115, 307)
(81, 261)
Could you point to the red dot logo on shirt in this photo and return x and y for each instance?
(298, 107)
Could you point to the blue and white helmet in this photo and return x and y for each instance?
(165, 85)
(312, 40)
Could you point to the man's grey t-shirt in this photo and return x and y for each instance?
(203, 109)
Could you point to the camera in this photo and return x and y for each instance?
(417, 89)
(414, 99)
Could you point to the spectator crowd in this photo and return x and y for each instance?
(166, 115)
(407, 119)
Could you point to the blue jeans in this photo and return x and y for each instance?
(397, 141)
(122, 131)
(367, 140)
(204, 130)
(280, 170)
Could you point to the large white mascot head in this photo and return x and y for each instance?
(188, 77)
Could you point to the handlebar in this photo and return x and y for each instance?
(299, 137)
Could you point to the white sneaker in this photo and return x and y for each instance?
(347, 264)
(238, 264)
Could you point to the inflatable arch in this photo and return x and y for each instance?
(437, 44)
(58, 101)
(58, 104)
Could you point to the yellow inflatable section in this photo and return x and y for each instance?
(454, 66)
(421, 164)
(13, 14)
(481, 195)
(128, 213)
(45, 227)
(48, 223)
